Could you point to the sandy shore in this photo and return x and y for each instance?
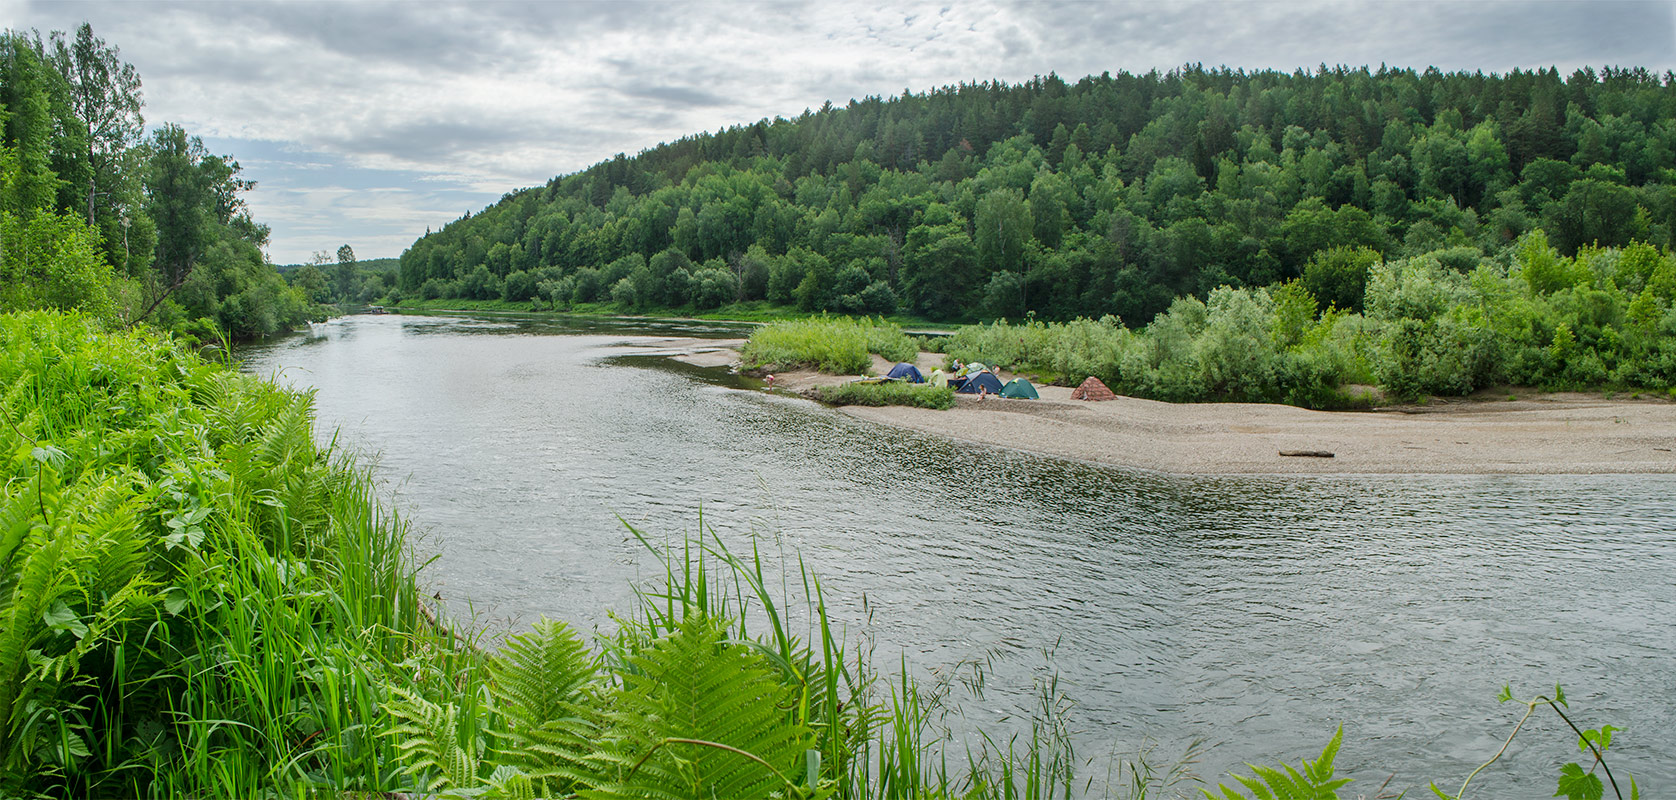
(1549, 433)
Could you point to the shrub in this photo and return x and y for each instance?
(889, 393)
(838, 345)
(53, 261)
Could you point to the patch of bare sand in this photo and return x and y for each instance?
(1556, 433)
(698, 352)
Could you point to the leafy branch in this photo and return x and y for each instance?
(1575, 783)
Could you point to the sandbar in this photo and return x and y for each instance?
(1553, 433)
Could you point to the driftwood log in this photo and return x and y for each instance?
(1307, 453)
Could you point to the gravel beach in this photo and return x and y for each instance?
(1566, 433)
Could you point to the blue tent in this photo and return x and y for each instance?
(979, 382)
(906, 371)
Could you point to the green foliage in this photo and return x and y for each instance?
(838, 345)
(192, 594)
(699, 717)
(545, 683)
(1339, 276)
(53, 261)
(888, 393)
(1575, 782)
(1112, 194)
(1314, 782)
(97, 220)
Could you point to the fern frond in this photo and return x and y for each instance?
(38, 587)
(1314, 782)
(694, 689)
(537, 673)
(509, 783)
(428, 740)
(542, 681)
(288, 433)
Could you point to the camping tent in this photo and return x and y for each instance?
(971, 369)
(907, 372)
(937, 378)
(1092, 389)
(980, 381)
(1019, 389)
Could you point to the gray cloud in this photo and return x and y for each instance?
(677, 95)
(451, 104)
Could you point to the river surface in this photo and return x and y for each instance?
(1257, 613)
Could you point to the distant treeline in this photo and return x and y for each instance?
(363, 265)
(1113, 195)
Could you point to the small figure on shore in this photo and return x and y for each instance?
(983, 393)
(770, 381)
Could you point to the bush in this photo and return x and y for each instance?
(889, 393)
(53, 261)
(838, 345)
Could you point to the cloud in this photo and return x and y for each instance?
(676, 95)
(449, 105)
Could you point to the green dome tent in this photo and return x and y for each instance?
(1019, 389)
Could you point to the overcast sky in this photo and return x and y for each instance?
(364, 123)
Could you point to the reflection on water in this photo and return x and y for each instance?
(1259, 612)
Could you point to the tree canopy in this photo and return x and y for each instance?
(130, 228)
(1112, 195)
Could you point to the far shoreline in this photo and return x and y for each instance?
(1546, 434)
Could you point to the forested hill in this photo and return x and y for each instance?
(1114, 194)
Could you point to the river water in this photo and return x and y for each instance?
(1257, 613)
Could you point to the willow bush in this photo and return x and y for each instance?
(838, 345)
(1448, 323)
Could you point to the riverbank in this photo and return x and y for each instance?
(1554, 433)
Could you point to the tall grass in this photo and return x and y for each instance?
(838, 345)
(195, 598)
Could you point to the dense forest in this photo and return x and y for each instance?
(1113, 195)
(130, 227)
(1497, 216)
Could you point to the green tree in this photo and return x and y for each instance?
(192, 197)
(52, 261)
(312, 282)
(343, 277)
(181, 200)
(1338, 276)
(30, 183)
(105, 94)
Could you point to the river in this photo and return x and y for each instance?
(1258, 613)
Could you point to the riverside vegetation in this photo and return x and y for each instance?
(839, 345)
(196, 599)
(1427, 325)
(95, 216)
(1114, 194)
